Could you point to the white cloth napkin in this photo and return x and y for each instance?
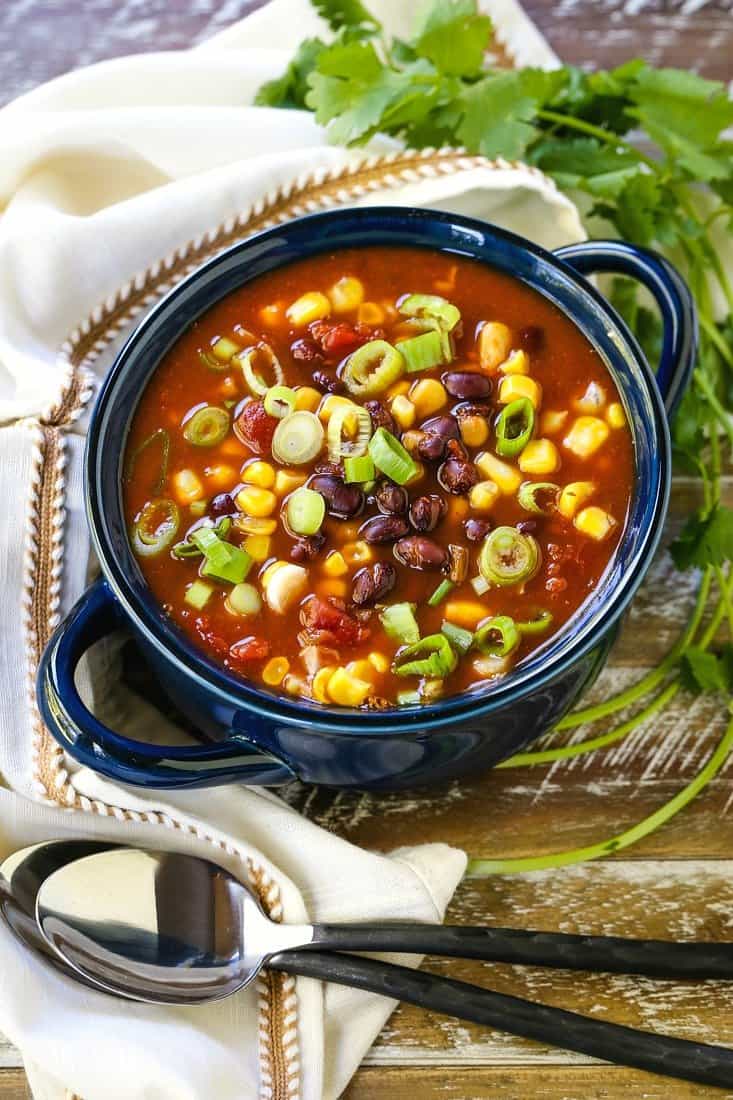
(114, 180)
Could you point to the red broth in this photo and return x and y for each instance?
(320, 631)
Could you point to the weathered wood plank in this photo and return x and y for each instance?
(13, 1085)
(548, 1082)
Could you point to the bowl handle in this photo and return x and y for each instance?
(672, 295)
(96, 746)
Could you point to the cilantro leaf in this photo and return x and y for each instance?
(586, 165)
(644, 211)
(706, 539)
(454, 37)
(346, 13)
(703, 672)
(289, 90)
(496, 116)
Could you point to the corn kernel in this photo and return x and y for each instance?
(428, 395)
(284, 586)
(474, 430)
(269, 572)
(255, 501)
(516, 363)
(295, 685)
(615, 415)
(573, 496)
(466, 613)
(540, 456)
(333, 586)
(483, 496)
(418, 475)
(330, 403)
(320, 683)
(347, 690)
(403, 411)
(187, 487)
(308, 398)
(335, 565)
(312, 306)
(220, 477)
(362, 668)
(259, 473)
(398, 389)
(255, 525)
(346, 294)
(258, 547)
(369, 313)
(592, 400)
(507, 477)
(357, 553)
(378, 661)
(594, 522)
(552, 421)
(514, 386)
(494, 345)
(274, 671)
(587, 434)
(286, 481)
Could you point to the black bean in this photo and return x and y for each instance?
(427, 511)
(532, 338)
(222, 505)
(391, 499)
(381, 416)
(327, 381)
(469, 408)
(306, 350)
(307, 547)
(457, 475)
(420, 552)
(467, 384)
(431, 447)
(383, 529)
(527, 526)
(476, 529)
(437, 431)
(373, 582)
(342, 500)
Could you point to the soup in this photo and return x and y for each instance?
(377, 477)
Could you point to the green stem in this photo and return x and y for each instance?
(702, 382)
(606, 136)
(713, 334)
(479, 868)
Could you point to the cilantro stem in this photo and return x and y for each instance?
(702, 382)
(713, 334)
(606, 136)
(480, 868)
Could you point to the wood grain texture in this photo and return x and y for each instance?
(13, 1085)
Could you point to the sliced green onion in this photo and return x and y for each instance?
(408, 698)
(256, 359)
(443, 589)
(304, 511)
(198, 507)
(497, 637)
(372, 368)
(460, 639)
(189, 549)
(161, 436)
(206, 427)
(431, 307)
(198, 594)
(514, 427)
(422, 352)
(539, 497)
(433, 656)
(390, 457)
(243, 599)
(359, 469)
(220, 354)
(155, 527)
(400, 624)
(537, 625)
(222, 561)
(508, 557)
(298, 438)
(480, 585)
(279, 401)
(343, 418)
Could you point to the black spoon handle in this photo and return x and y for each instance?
(653, 958)
(700, 1062)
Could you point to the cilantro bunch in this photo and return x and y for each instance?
(643, 152)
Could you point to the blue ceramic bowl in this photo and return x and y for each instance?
(254, 736)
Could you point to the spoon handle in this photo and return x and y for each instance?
(614, 954)
(625, 1046)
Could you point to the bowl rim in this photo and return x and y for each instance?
(566, 648)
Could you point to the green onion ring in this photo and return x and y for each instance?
(390, 457)
(430, 307)
(497, 636)
(305, 510)
(279, 401)
(537, 625)
(255, 381)
(529, 491)
(439, 658)
(338, 446)
(153, 532)
(220, 354)
(298, 438)
(207, 426)
(514, 427)
(422, 352)
(163, 436)
(508, 557)
(372, 369)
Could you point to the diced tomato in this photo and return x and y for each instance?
(249, 649)
(338, 340)
(327, 623)
(213, 640)
(255, 427)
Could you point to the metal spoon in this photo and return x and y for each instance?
(176, 929)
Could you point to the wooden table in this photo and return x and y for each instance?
(680, 881)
